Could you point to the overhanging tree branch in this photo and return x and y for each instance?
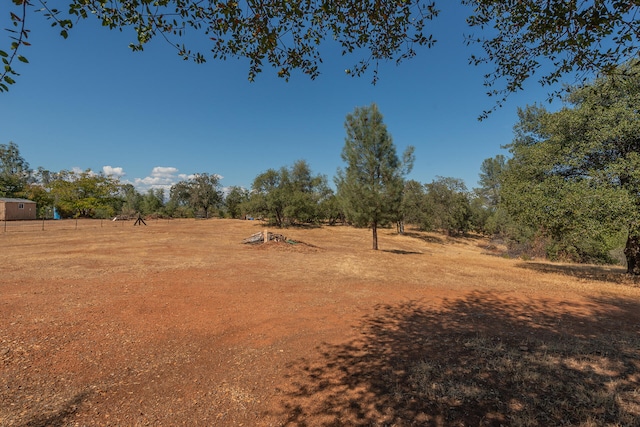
(19, 38)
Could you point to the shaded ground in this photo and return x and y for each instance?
(179, 323)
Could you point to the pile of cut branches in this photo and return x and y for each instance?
(270, 237)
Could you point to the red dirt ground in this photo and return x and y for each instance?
(179, 323)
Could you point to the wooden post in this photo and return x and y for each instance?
(265, 236)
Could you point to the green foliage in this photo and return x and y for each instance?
(489, 181)
(415, 207)
(577, 218)
(574, 178)
(479, 213)
(152, 202)
(330, 209)
(371, 185)
(131, 200)
(85, 194)
(18, 35)
(14, 171)
(175, 209)
(448, 201)
(200, 193)
(496, 223)
(267, 197)
(236, 201)
(289, 196)
(286, 35)
(486, 217)
(551, 39)
(39, 194)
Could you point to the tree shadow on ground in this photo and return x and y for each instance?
(610, 274)
(430, 238)
(58, 416)
(401, 252)
(425, 237)
(482, 360)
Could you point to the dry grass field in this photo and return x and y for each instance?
(180, 323)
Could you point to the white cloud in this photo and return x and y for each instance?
(162, 171)
(116, 172)
(77, 170)
(160, 177)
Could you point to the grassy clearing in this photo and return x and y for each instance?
(204, 330)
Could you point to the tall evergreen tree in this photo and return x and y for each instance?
(372, 183)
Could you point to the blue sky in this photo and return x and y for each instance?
(88, 102)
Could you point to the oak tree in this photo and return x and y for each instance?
(448, 202)
(85, 194)
(575, 173)
(234, 201)
(289, 195)
(551, 39)
(520, 39)
(201, 192)
(286, 35)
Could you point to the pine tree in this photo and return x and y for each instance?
(371, 185)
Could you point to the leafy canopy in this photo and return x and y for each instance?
(85, 194)
(575, 173)
(285, 34)
(448, 202)
(550, 38)
(289, 195)
(200, 192)
(14, 170)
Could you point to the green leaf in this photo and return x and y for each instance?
(3, 53)
(23, 59)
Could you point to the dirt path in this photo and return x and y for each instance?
(179, 323)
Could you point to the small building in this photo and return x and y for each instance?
(16, 209)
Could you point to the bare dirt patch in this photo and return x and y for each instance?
(179, 323)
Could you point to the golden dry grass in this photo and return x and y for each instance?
(180, 323)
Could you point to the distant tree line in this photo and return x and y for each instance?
(569, 189)
(371, 190)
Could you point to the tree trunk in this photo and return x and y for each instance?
(632, 250)
(374, 227)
